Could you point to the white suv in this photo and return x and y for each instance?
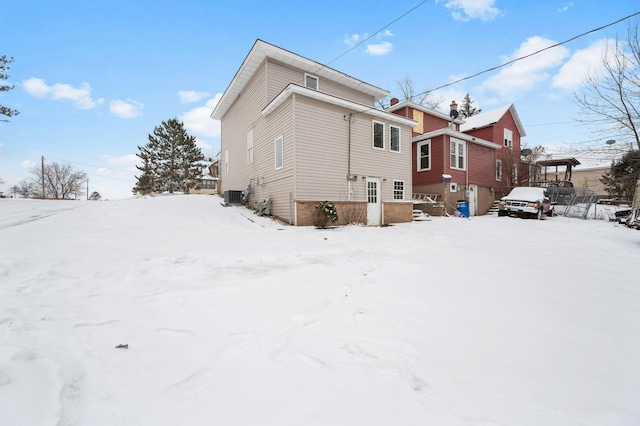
(526, 201)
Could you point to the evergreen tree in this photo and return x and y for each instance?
(466, 107)
(170, 160)
(4, 66)
(620, 180)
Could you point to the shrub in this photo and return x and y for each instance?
(325, 212)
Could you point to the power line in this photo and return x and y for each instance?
(378, 32)
(531, 54)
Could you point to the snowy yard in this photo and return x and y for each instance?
(232, 319)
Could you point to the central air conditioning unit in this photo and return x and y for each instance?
(232, 197)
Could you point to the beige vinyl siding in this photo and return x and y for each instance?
(322, 153)
(280, 75)
(276, 184)
(242, 117)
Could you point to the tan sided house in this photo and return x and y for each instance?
(296, 132)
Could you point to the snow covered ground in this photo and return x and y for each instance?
(232, 319)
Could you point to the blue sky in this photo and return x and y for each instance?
(93, 79)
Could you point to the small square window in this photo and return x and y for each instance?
(311, 81)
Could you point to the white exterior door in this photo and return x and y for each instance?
(473, 200)
(374, 202)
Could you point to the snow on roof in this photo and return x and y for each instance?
(488, 118)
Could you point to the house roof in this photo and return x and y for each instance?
(262, 50)
(458, 135)
(424, 109)
(485, 119)
(292, 89)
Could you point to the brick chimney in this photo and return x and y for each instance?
(394, 101)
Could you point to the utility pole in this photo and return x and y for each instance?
(42, 171)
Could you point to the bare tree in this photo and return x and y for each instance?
(610, 99)
(409, 93)
(61, 181)
(24, 188)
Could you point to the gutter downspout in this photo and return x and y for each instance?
(349, 177)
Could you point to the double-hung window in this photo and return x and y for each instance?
(398, 190)
(378, 135)
(279, 150)
(394, 138)
(508, 138)
(499, 170)
(458, 155)
(250, 147)
(424, 156)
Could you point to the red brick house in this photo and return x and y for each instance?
(450, 163)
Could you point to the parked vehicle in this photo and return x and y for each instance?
(526, 201)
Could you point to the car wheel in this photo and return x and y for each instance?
(502, 213)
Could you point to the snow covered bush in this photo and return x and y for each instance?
(325, 212)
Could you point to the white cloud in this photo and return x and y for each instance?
(584, 61)
(205, 147)
(379, 49)
(27, 164)
(353, 39)
(126, 109)
(198, 120)
(189, 96)
(466, 10)
(566, 7)
(526, 73)
(80, 97)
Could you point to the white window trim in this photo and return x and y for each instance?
(419, 163)
(404, 189)
(458, 144)
(226, 162)
(391, 126)
(499, 170)
(275, 149)
(508, 138)
(373, 134)
(314, 77)
(250, 147)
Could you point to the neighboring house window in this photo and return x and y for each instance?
(279, 148)
(514, 176)
(311, 81)
(424, 155)
(378, 135)
(250, 147)
(508, 138)
(398, 190)
(394, 138)
(457, 155)
(226, 162)
(207, 184)
(498, 169)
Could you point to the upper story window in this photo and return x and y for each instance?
(311, 81)
(279, 150)
(378, 135)
(458, 154)
(424, 156)
(508, 138)
(394, 138)
(250, 147)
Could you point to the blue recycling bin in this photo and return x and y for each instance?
(463, 208)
